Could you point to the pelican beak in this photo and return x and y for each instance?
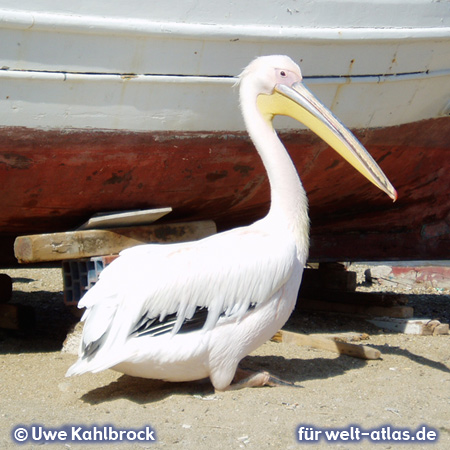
(299, 103)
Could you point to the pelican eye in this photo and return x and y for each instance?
(283, 73)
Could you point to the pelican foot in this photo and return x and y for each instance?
(247, 378)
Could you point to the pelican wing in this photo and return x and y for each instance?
(162, 288)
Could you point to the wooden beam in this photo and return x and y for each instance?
(322, 343)
(361, 298)
(88, 243)
(353, 308)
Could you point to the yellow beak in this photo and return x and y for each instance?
(300, 104)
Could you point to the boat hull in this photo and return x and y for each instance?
(56, 179)
(118, 106)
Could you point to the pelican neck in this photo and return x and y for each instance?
(288, 198)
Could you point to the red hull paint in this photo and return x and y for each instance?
(55, 180)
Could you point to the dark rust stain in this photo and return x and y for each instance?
(243, 169)
(379, 160)
(115, 179)
(217, 175)
(188, 173)
(120, 178)
(333, 165)
(15, 161)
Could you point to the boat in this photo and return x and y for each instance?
(113, 106)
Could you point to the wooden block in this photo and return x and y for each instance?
(357, 351)
(347, 308)
(87, 243)
(434, 328)
(16, 317)
(330, 279)
(425, 327)
(5, 288)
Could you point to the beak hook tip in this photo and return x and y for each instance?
(394, 196)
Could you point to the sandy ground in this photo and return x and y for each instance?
(408, 388)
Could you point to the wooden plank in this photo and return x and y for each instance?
(16, 317)
(347, 308)
(87, 243)
(322, 343)
(124, 219)
(360, 298)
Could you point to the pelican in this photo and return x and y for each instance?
(189, 311)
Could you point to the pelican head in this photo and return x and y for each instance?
(276, 82)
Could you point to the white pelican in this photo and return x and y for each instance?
(189, 311)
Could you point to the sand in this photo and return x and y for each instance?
(408, 389)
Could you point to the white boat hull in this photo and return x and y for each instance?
(171, 66)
